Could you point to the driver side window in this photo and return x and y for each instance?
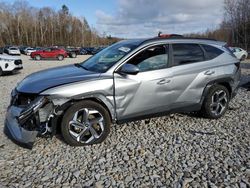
(152, 58)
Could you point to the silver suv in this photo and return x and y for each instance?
(130, 80)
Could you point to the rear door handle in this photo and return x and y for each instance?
(163, 81)
(209, 72)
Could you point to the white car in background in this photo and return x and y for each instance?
(14, 51)
(29, 50)
(9, 64)
(239, 53)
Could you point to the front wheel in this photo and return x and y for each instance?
(85, 123)
(216, 102)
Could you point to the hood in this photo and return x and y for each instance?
(8, 57)
(42, 80)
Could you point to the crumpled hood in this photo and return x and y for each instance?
(42, 80)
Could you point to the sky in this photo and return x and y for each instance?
(142, 18)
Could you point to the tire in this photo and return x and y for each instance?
(73, 55)
(60, 57)
(243, 58)
(1, 71)
(71, 133)
(37, 57)
(214, 101)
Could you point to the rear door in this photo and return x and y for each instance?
(149, 91)
(189, 68)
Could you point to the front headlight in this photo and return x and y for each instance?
(6, 60)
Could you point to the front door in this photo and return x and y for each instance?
(147, 92)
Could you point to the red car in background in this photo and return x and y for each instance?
(49, 53)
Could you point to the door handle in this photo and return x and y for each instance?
(209, 72)
(163, 81)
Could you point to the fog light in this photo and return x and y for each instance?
(6, 65)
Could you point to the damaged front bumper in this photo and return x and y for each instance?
(20, 122)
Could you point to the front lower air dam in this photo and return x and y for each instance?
(15, 123)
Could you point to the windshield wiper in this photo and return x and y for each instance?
(80, 66)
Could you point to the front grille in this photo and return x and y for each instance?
(18, 62)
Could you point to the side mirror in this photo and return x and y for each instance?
(129, 69)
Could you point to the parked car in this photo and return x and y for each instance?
(14, 51)
(239, 53)
(128, 81)
(22, 49)
(9, 64)
(1, 50)
(83, 51)
(5, 49)
(28, 51)
(72, 52)
(49, 53)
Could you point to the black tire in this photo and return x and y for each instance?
(37, 57)
(60, 57)
(206, 110)
(69, 114)
(73, 55)
(243, 58)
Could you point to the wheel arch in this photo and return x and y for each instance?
(226, 82)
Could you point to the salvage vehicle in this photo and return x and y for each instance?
(49, 53)
(128, 81)
(9, 64)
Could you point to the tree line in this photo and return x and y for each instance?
(22, 24)
(235, 27)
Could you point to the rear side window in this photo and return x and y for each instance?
(187, 53)
(211, 52)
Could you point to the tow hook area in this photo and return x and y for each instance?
(22, 124)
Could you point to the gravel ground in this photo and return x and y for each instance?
(172, 151)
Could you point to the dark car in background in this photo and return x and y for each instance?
(72, 52)
(22, 49)
(1, 50)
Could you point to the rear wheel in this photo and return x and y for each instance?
(38, 57)
(85, 123)
(216, 102)
(60, 57)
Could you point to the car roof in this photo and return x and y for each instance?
(145, 41)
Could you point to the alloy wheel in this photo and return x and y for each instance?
(87, 125)
(219, 102)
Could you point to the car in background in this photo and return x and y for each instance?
(22, 48)
(9, 64)
(1, 50)
(5, 49)
(239, 53)
(72, 52)
(97, 49)
(49, 53)
(83, 51)
(29, 50)
(13, 51)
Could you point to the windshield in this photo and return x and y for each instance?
(106, 58)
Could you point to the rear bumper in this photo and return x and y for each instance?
(15, 131)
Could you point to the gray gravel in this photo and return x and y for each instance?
(172, 151)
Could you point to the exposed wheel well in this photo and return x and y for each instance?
(227, 85)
